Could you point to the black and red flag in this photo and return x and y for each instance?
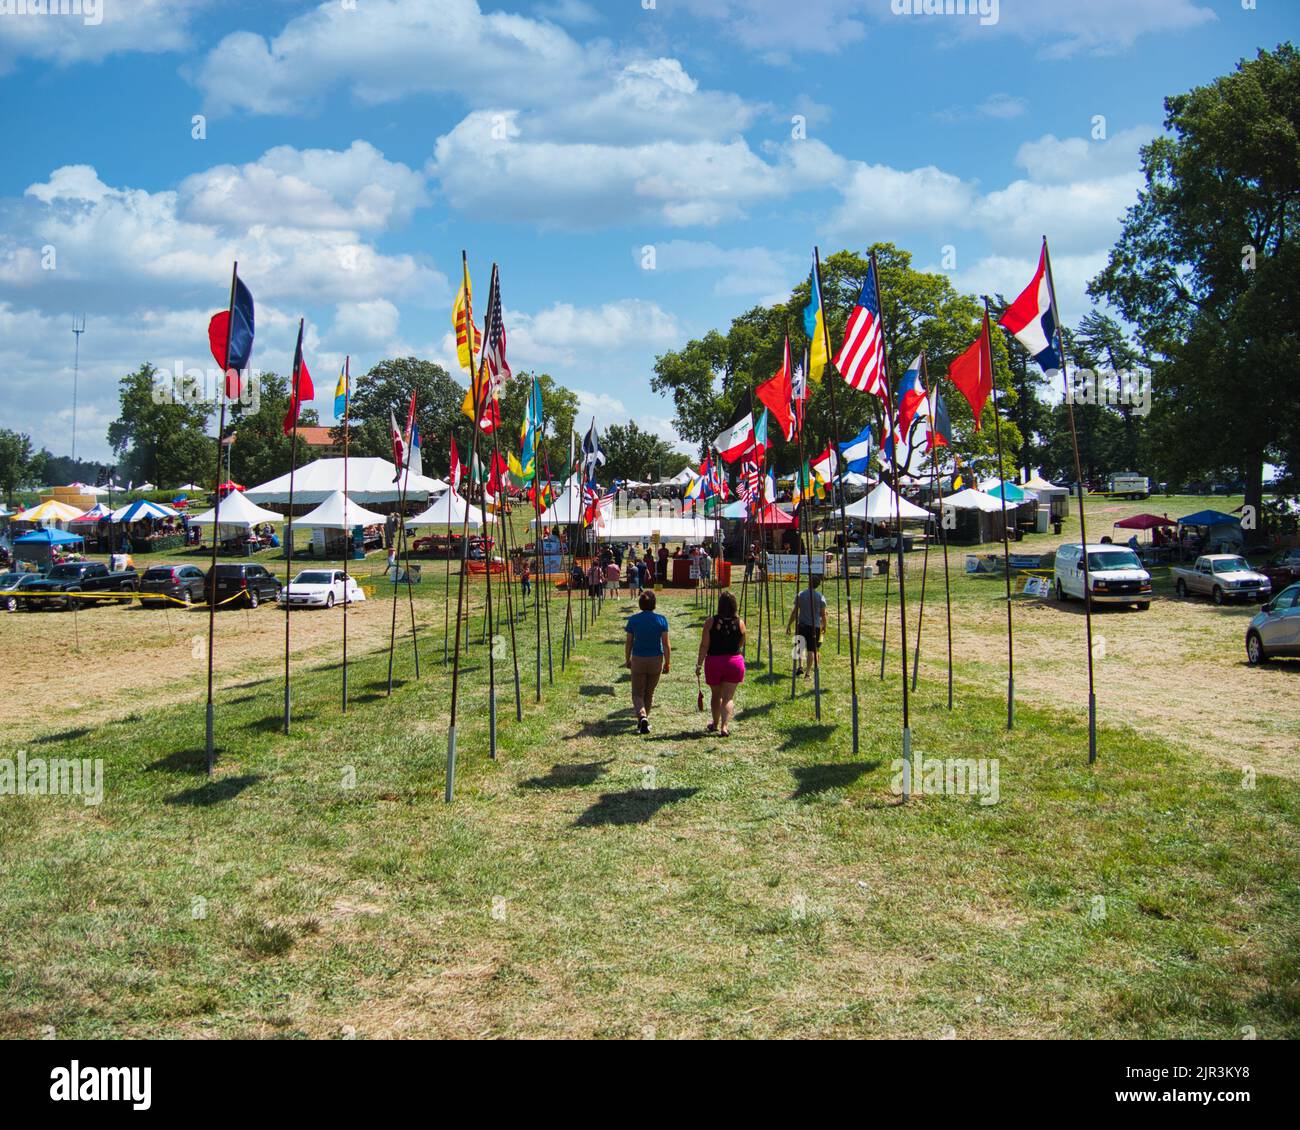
(301, 387)
(231, 348)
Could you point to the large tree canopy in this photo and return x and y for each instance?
(1207, 268)
(159, 435)
(710, 377)
(631, 453)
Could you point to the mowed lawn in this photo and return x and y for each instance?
(594, 882)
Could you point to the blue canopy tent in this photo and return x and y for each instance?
(1207, 518)
(38, 546)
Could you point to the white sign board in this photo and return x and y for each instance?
(790, 564)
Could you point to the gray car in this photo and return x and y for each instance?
(1276, 629)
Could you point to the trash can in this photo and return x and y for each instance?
(722, 572)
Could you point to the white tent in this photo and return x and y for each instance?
(146, 487)
(237, 511)
(854, 479)
(190, 488)
(370, 480)
(683, 478)
(448, 510)
(878, 506)
(641, 527)
(971, 499)
(566, 510)
(338, 512)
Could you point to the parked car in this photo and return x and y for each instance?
(1223, 577)
(1114, 573)
(183, 583)
(321, 588)
(61, 586)
(1275, 629)
(241, 584)
(10, 584)
(1283, 568)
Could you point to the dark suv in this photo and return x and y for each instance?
(248, 585)
(166, 584)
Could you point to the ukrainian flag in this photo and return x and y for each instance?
(814, 326)
(341, 392)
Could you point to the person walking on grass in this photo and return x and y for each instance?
(646, 653)
(722, 659)
(633, 575)
(526, 579)
(613, 577)
(810, 608)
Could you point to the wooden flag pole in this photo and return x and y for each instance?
(216, 515)
(539, 456)
(1083, 532)
(898, 539)
(406, 553)
(347, 532)
(925, 563)
(835, 452)
(1006, 545)
(937, 481)
(476, 398)
(510, 605)
(446, 574)
(288, 525)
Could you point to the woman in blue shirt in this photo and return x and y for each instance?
(646, 653)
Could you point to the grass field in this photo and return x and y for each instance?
(592, 881)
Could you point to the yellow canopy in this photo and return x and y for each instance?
(51, 510)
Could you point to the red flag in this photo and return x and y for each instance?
(776, 393)
(302, 387)
(456, 469)
(972, 372)
(232, 354)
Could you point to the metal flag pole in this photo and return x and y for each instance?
(216, 515)
(943, 537)
(296, 408)
(1006, 550)
(835, 451)
(347, 532)
(925, 564)
(1083, 533)
(898, 539)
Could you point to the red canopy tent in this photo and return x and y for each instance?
(774, 517)
(1144, 522)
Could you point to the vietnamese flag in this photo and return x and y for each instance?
(232, 350)
(302, 387)
(777, 393)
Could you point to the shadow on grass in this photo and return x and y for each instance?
(591, 690)
(214, 792)
(62, 736)
(612, 725)
(182, 761)
(636, 806)
(812, 734)
(814, 779)
(573, 776)
(755, 711)
(684, 735)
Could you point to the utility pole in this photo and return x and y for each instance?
(78, 328)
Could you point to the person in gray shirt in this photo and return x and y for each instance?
(810, 608)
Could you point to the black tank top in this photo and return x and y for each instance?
(724, 636)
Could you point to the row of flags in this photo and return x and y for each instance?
(917, 419)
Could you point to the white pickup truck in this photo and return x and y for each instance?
(1222, 577)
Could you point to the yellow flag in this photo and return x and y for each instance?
(462, 321)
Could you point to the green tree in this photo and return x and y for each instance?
(388, 387)
(16, 457)
(709, 378)
(262, 451)
(1208, 269)
(631, 453)
(559, 408)
(160, 435)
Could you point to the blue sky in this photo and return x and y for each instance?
(353, 147)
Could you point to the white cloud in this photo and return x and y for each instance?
(564, 333)
(1100, 27)
(101, 28)
(307, 188)
(740, 271)
(775, 28)
(120, 247)
(368, 324)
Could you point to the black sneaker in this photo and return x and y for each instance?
(643, 725)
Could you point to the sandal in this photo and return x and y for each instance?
(710, 728)
(724, 733)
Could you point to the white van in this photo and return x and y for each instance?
(1114, 571)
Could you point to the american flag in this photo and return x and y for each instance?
(749, 480)
(494, 347)
(861, 356)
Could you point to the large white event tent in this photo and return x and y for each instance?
(237, 513)
(640, 527)
(878, 506)
(449, 510)
(338, 512)
(567, 509)
(972, 499)
(370, 480)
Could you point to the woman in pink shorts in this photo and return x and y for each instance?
(722, 659)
